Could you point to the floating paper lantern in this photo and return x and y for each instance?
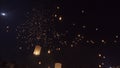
(60, 18)
(39, 62)
(58, 65)
(37, 50)
(49, 51)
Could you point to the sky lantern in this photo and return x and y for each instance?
(49, 51)
(37, 50)
(58, 65)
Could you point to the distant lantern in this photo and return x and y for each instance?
(55, 15)
(100, 55)
(117, 36)
(60, 18)
(72, 45)
(58, 7)
(49, 51)
(103, 41)
(37, 50)
(58, 49)
(78, 35)
(83, 11)
(100, 66)
(58, 65)
(39, 62)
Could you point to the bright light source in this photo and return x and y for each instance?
(60, 18)
(49, 51)
(103, 41)
(3, 14)
(37, 50)
(58, 65)
(100, 66)
(99, 55)
(39, 62)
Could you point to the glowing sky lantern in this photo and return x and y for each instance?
(58, 65)
(37, 50)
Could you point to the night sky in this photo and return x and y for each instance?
(97, 21)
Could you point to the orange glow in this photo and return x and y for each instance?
(37, 50)
(58, 65)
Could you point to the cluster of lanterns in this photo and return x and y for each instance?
(37, 52)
